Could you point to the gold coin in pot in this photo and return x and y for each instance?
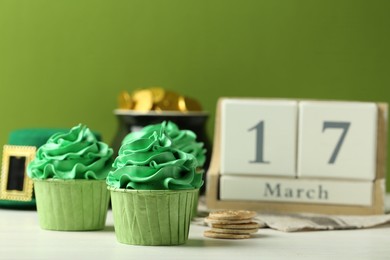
(170, 102)
(158, 94)
(156, 108)
(189, 104)
(143, 100)
(125, 101)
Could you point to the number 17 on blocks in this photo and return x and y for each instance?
(305, 139)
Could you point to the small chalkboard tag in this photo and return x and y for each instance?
(286, 155)
(15, 184)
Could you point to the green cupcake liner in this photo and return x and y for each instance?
(195, 207)
(71, 205)
(152, 217)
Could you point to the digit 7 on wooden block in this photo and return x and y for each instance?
(337, 140)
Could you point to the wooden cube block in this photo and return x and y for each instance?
(258, 137)
(337, 140)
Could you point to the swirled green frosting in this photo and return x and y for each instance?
(76, 154)
(184, 140)
(148, 160)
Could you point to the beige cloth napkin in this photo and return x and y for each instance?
(306, 222)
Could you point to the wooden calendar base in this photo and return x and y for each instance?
(377, 206)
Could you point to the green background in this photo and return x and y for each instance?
(63, 62)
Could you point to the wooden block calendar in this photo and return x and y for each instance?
(283, 155)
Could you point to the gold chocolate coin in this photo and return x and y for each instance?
(188, 104)
(158, 94)
(232, 214)
(212, 234)
(143, 100)
(170, 102)
(124, 100)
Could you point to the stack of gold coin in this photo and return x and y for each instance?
(157, 99)
(231, 224)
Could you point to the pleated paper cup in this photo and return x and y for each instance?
(71, 205)
(195, 206)
(152, 217)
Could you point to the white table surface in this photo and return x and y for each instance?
(22, 238)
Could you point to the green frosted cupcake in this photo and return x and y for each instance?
(69, 174)
(153, 189)
(182, 139)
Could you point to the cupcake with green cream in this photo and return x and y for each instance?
(69, 174)
(153, 188)
(184, 140)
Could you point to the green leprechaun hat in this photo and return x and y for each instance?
(16, 189)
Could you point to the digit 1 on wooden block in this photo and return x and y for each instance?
(337, 140)
(258, 137)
